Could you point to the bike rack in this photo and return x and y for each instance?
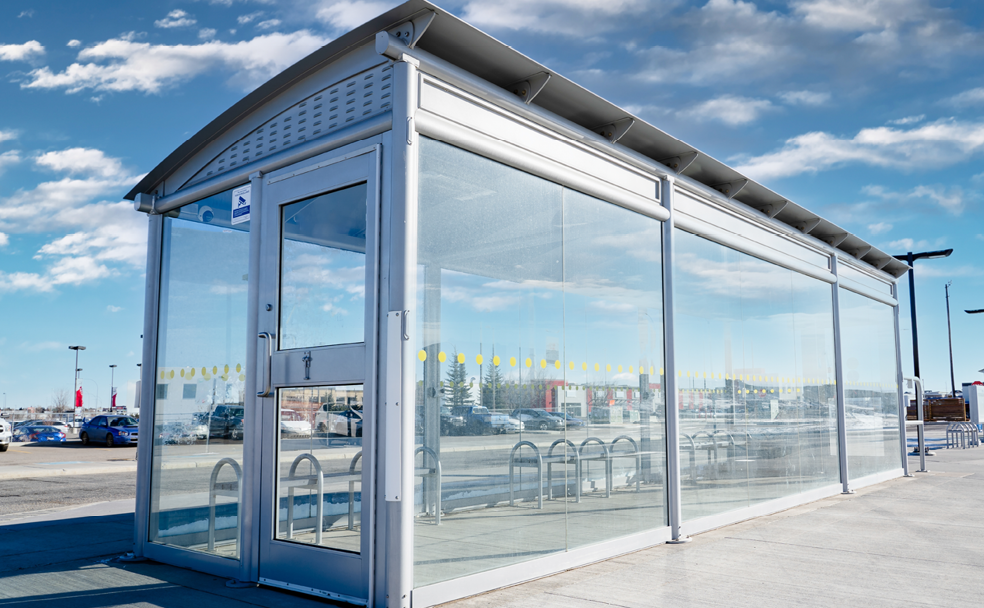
(533, 460)
(693, 457)
(565, 460)
(226, 488)
(605, 455)
(633, 454)
(353, 479)
(306, 482)
(434, 472)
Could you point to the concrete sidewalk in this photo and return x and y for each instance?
(913, 542)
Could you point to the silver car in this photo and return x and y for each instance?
(5, 435)
(503, 423)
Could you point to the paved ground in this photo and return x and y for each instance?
(913, 542)
(30, 495)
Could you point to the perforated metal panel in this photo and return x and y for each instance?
(328, 110)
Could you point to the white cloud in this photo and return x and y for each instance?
(972, 97)
(936, 144)
(4, 239)
(861, 15)
(731, 110)
(269, 24)
(950, 199)
(908, 120)
(28, 13)
(206, 33)
(35, 347)
(73, 43)
(176, 18)
(979, 237)
(81, 160)
(114, 309)
(122, 64)
(805, 98)
(879, 228)
(8, 158)
(32, 49)
(244, 19)
(7, 135)
(580, 18)
(348, 14)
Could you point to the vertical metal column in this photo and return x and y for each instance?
(253, 435)
(431, 343)
(674, 500)
(402, 289)
(148, 373)
(899, 382)
(839, 382)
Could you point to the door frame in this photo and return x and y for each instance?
(266, 427)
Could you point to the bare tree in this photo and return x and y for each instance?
(59, 401)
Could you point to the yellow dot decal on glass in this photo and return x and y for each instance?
(688, 374)
(608, 367)
(705, 375)
(557, 364)
(215, 369)
(528, 362)
(461, 357)
(597, 367)
(512, 361)
(651, 370)
(182, 373)
(479, 359)
(171, 375)
(543, 364)
(162, 374)
(192, 372)
(799, 390)
(571, 365)
(727, 376)
(442, 357)
(242, 377)
(584, 367)
(239, 368)
(620, 369)
(495, 360)
(422, 355)
(225, 369)
(631, 371)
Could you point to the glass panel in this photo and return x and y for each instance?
(323, 270)
(754, 352)
(198, 426)
(529, 298)
(319, 499)
(871, 398)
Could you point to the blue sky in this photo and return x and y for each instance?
(868, 112)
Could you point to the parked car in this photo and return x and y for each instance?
(503, 423)
(292, 424)
(571, 421)
(227, 421)
(537, 419)
(58, 424)
(177, 433)
(6, 436)
(41, 434)
(478, 419)
(347, 423)
(451, 424)
(109, 430)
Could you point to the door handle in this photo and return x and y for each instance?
(267, 387)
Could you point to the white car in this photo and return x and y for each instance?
(5, 435)
(503, 423)
(292, 424)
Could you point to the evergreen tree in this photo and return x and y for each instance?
(493, 388)
(456, 391)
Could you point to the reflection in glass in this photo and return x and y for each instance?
(755, 362)
(323, 274)
(540, 346)
(871, 400)
(199, 411)
(319, 498)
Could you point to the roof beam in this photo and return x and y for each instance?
(614, 131)
(680, 163)
(834, 239)
(528, 88)
(860, 253)
(730, 189)
(808, 226)
(410, 32)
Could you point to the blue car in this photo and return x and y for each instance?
(40, 434)
(109, 431)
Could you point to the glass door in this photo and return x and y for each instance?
(318, 286)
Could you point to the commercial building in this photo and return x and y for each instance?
(417, 218)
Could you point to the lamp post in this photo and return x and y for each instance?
(75, 390)
(112, 391)
(909, 259)
(949, 335)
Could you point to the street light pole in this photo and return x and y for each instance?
(949, 335)
(910, 258)
(75, 390)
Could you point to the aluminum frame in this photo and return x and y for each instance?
(839, 383)
(674, 494)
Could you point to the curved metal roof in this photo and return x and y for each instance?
(474, 51)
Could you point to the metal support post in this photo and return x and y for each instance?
(921, 429)
(899, 382)
(674, 501)
(839, 383)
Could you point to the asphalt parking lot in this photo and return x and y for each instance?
(71, 450)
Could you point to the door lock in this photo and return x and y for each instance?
(307, 365)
